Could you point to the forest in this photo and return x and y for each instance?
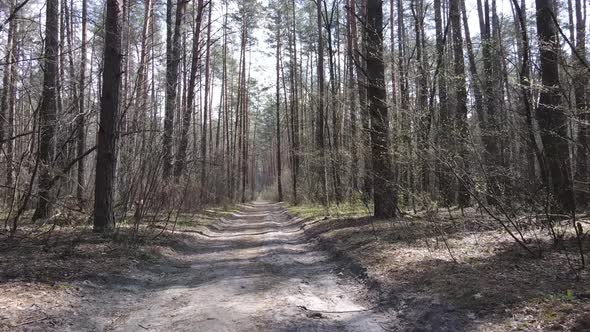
(395, 149)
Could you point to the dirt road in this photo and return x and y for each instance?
(252, 271)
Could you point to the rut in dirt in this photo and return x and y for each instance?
(255, 271)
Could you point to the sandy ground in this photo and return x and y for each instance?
(261, 269)
(461, 274)
(252, 271)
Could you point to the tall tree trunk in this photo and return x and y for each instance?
(350, 20)
(278, 105)
(461, 97)
(392, 56)
(237, 134)
(81, 121)
(423, 113)
(226, 110)
(581, 99)
(550, 115)
(106, 157)
(319, 137)
(334, 144)
(186, 118)
(136, 144)
(295, 108)
(172, 62)
(385, 197)
(360, 55)
(11, 114)
(490, 130)
(525, 84)
(498, 180)
(48, 110)
(7, 102)
(475, 79)
(206, 106)
(141, 96)
(445, 120)
(406, 138)
(169, 33)
(7, 80)
(244, 115)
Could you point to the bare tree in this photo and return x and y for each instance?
(48, 110)
(172, 62)
(278, 102)
(385, 197)
(550, 115)
(81, 121)
(320, 117)
(187, 115)
(581, 100)
(460, 96)
(106, 156)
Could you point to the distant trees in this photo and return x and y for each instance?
(190, 109)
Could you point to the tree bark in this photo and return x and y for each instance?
(319, 137)
(360, 63)
(172, 62)
(406, 138)
(334, 144)
(81, 122)
(423, 113)
(278, 105)
(384, 197)
(550, 116)
(350, 20)
(48, 110)
(445, 120)
(186, 118)
(461, 97)
(106, 156)
(206, 107)
(295, 108)
(490, 129)
(581, 100)
(7, 82)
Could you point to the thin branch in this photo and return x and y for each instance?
(574, 51)
(13, 14)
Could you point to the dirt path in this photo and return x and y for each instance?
(253, 271)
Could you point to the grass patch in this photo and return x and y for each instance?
(224, 211)
(343, 210)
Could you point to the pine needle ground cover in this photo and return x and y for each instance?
(459, 272)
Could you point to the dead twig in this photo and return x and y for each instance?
(32, 321)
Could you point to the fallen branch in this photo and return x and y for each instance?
(32, 321)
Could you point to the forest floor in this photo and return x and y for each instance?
(249, 270)
(458, 271)
(264, 267)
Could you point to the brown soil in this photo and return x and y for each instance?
(462, 274)
(260, 269)
(251, 271)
